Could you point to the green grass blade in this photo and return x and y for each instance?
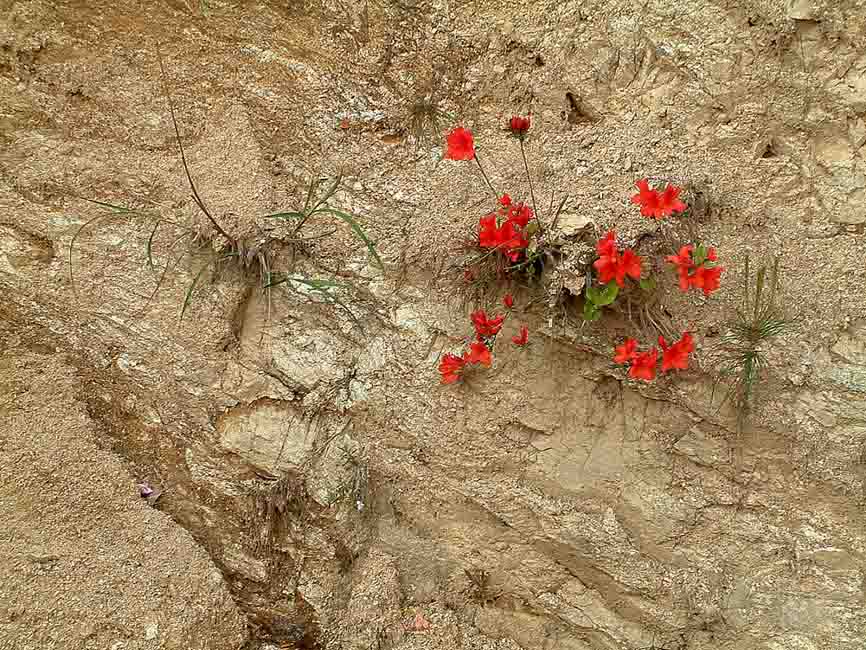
(285, 215)
(192, 286)
(150, 247)
(314, 284)
(122, 209)
(327, 195)
(72, 244)
(314, 183)
(359, 232)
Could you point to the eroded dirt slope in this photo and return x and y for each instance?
(338, 489)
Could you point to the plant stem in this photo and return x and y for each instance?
(531, 190)
(198, 200)
(486, 180)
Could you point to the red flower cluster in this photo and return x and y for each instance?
(611, 265)
(505, 230)
(643, 364)
(460, 144)
(700, 272)
(676, 357)
(486, 327)
(519, 126)
(452, 366)
(655, 204)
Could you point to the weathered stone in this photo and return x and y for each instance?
(271, 435)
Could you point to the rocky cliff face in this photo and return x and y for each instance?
(319, 487)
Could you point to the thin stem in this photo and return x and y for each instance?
(486, 180)
(531, 190)
(198, 200)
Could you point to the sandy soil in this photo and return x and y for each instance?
(320, 488)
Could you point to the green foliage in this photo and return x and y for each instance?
(604, 295)
(598, 297)
(759, 320)
(591, 311)
(319, 206)
(647, 284)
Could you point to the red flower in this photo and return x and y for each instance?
(478, 353)
(606, 266)
(629, 266)
(706, 279)
(684, 264)
(655, 204)
(607, 245)
(626, 352)
(668, 201)
(701, 277)
(505, 200)
(643, 366)
(508, 300)
(508, 238)
(461, 146)
(646, 198)
(486, 327)
(519, 126)
(451, 367)
(676, 357)
(522, 338)
(487, 231)
(612, 266)
(520, 214)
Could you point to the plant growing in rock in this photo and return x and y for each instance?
(612, 268)
(425, 120)
(479, 351)
(481, 588)
(740, 355)
(697, 268)
(510, 241)
(642, 365)
(250, 254)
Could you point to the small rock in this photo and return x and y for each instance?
(801, 10)
(570, 224)
(151, 631)
(574, 282)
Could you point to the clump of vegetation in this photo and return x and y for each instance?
(741, 354)
(254, 256)
(482, 590)
(425, 121)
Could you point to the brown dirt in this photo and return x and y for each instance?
(336, 488)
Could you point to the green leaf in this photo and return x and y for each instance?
(285, 215)
(314, 284)
(604, 295)
(359, 232)
(192, 286)
(700, 254)
(647, 284)
(591, 311)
